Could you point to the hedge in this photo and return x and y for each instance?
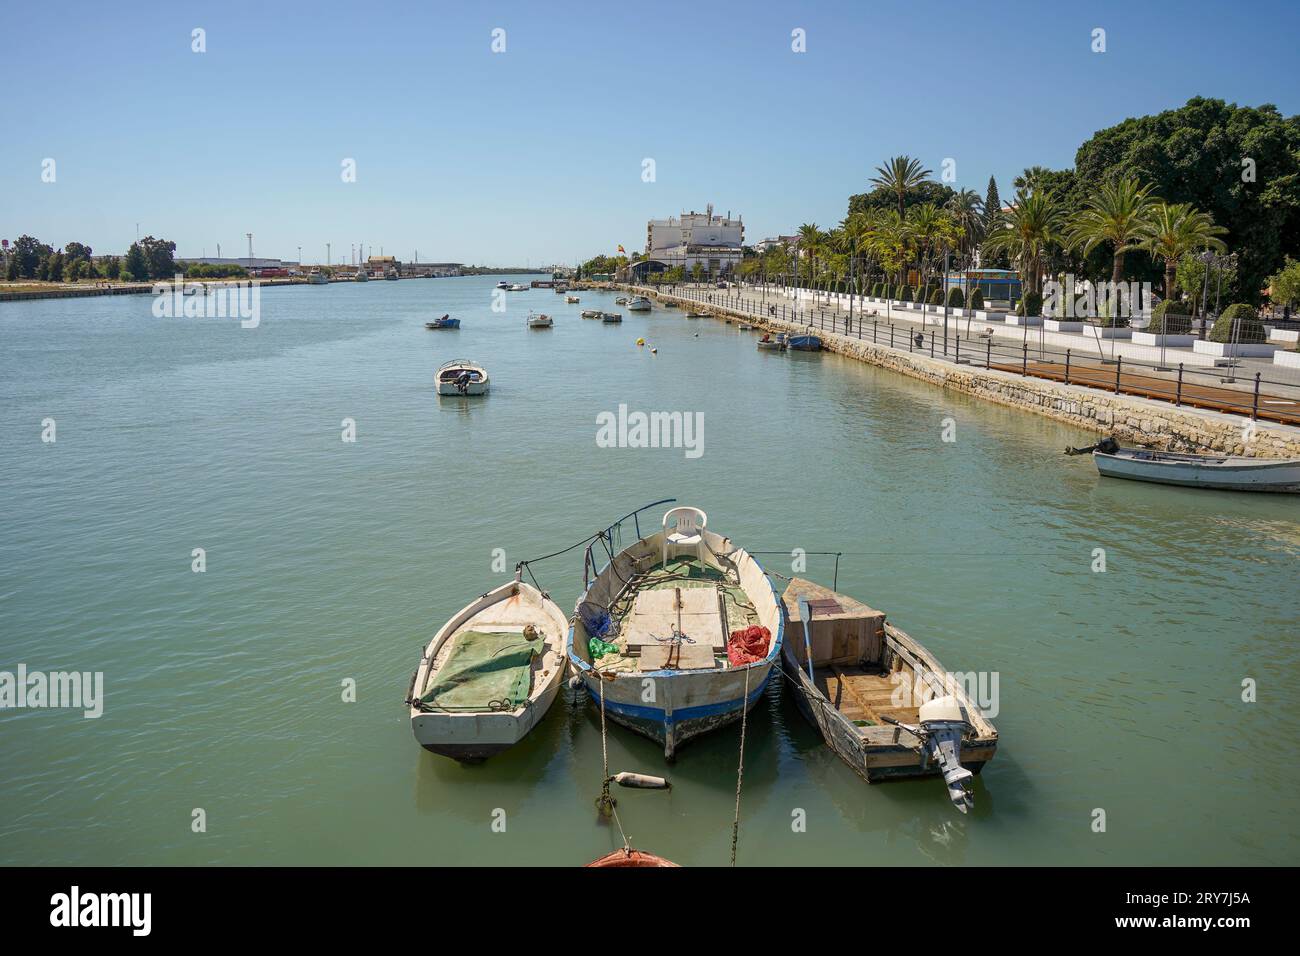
(1249, 328)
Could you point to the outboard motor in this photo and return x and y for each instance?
(462, 382)
(943, 724)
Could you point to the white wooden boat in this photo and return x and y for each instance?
(538, 320)
(489, 674)
(591, 313)
(688, 643)
(571, 299)
(463, 377)
(621, 300)
(696, 314)
(769, 344)
(1228, 472)
(882, 701)
(638, 304)
(503, 284)
(518, 287)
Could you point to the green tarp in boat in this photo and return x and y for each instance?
(487, 670)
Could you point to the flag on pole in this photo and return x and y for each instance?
(621, 249)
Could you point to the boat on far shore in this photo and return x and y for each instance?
(1222, 472)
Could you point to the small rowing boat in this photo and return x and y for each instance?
(804, 343)
(628, 857)
(446, 322)
(880, 699)
(538, 320)
(769, 344)
(489, 674)
(571, 299)
(678, 634)
(1226, 472)
(611, 317)
(592, 313)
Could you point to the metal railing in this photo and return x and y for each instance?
(1184, 385)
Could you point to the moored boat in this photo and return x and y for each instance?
(317, 278)
(1224, 472)
(881, 700)
(571, 299)
(391, 275)
(621, 300)
(463, 377)
(445, 322)
(518, 287)
(678, 634)
(638, 304)
(503, 284)
(628, 857)
(539, 320)
(489, 674)
(361, 276)
(592, 313)
(804, 343)
(611, 317)
(696, 314)
(769, 344)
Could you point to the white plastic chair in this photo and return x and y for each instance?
(687, 532)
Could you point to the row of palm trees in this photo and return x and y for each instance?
(1123, 215)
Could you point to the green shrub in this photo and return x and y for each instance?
(878, 290)
(1171, 317)
(976, 300)
(1030, 304)
(903, 293)
(936, 297)
(955, 299)
(1249, 327)
(916, 294)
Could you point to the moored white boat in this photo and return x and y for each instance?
(1225, 472)
(677, 648)
(463, 377)
(638, 304)
(317, 278)
(591, 313)
(539, 320)
(518, 287)
(489, 674)
(571, 299)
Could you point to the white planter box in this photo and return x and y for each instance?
(1287, 358)
(1240, 350)
(1062, 325)
(1284, 336)
(1029, 320)
(1107, 332)
(990, 315)
(957, 313)
(1171, 340)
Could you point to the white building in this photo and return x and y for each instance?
(714, 242)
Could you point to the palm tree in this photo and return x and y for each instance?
(898, 175)
(1024, 232)
(810, 240)
(1176, 229)
(1031, 179)
(1117, 213)
(967, 209)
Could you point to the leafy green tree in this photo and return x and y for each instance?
(135, 267)
(112, 267)
(54, 269)
(29, 253)
(1284, 285)
(1239, 164)
(77, 250)
(159, 256)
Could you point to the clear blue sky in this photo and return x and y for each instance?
(461, 153)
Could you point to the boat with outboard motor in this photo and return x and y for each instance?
(539, 320)
(445, 322)
(1224, 472)
(462, 377)
(638, 304)
(769, 344)
(881, 700)
(679, 633)
(489, 674)
(611, 317)
(804, 343)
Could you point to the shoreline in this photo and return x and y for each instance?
(1145, 421)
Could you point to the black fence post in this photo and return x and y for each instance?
(1024, 360)
(873, 331)
(957, 355)
(1178, 395)
(1254, 406)
(931, 345)
(1119, 364)
(891, 335)
(1067, 366)
(988, 352)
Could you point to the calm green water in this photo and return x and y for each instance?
(328, 561)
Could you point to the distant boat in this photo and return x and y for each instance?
(638, 304)
(881, 700)
(591, 313)
(446, 322)
(463, 377)
(744, 328)
(621, 300)
(804, 343)
(317, 278)
(503, 284)
(361, 276)
(518, 287)
(539, 320)
(696, 314)
(391, 275)
(571, 299)
(611, 317)
(489, 674)
(769, 344)
(1225, 472)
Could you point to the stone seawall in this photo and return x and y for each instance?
(1130, 419)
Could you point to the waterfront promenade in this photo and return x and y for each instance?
(1183, 408)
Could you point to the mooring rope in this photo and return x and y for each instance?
(605, 803)
(740, 771)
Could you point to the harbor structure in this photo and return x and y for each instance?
(712, 242)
